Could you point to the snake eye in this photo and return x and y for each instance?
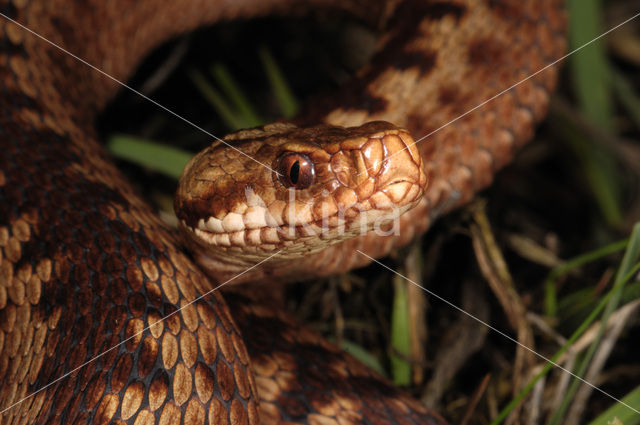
(296, 170)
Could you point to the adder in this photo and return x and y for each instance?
(100, 315)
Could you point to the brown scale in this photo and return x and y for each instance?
(293, 366)
(85, 264)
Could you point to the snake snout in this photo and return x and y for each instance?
(403, 179)
(383, 172)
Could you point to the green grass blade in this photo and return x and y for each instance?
(628, 98)
(604, 301)
(155, 156)
(244, 111)
(620, 411)
(591, 75)
(627, 268)
(631, 292)
(574, 263)
(599, 170)
(217, 101)
(363, 355)
(400, 334)
(590, 68)
(548, 366)
(282, 92)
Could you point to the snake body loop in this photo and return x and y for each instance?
(87, 270)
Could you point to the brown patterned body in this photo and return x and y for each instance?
(435, 65)
(87, 269)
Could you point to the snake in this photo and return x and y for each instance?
(102, 313)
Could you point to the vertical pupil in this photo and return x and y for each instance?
(294, 172)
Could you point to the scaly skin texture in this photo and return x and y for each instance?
(236, 211)
(437, 61)
(85, 265)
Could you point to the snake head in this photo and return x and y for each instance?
(299, 190)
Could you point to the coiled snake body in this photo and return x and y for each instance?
(87, 270)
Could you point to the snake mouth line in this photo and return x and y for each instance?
(262, 232)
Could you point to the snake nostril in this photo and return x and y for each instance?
(396, 182)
